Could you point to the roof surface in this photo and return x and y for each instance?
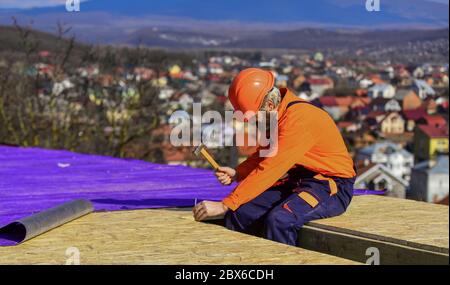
(414, 114)
(438, 166)
(384, 147)
(33, 179)
(434, 132)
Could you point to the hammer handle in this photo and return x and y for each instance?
(210, 159)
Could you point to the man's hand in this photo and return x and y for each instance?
(207, 209)
(226, 175)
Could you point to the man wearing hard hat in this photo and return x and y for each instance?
(311, 176)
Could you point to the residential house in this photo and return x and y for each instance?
(202, 70)
(208, 98)
(423, 89)
(392, 106)
(360, 102)
(362, 93)
(348, 126)
(432, 120)
(402, 76)
(442, 102)
(185, 101)
(361, 139)
(319, 84)
(165, 152)
(175, 71)
(359, 107)
(60, 87)
(410, 100)
(336, 107)
(105, 80)
(376, 79)
(430, 180)
(430, 106)
(373, 119)
(45, 69)
(393, 123)
(378, 104)
(418, 72)
(430, 141)
(439, 80)
(383, 90)
(281, 80)
(89, 71)
(166, 93)
(160, 82)
(365, 83)
(318, 56)
(411, 116)
(398, 160)
(376, 176)
(215, 68)
(143, 73)
(345, 104)
(298, 81)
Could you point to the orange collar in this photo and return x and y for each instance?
(288, 97)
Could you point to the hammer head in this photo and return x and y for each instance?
(198, 149)
(202, 150)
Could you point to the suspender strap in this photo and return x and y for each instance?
(298, 102)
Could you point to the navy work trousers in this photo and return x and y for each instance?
(279, 212)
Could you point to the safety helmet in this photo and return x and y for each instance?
(248, 89)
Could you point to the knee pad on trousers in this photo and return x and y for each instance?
(281, 219)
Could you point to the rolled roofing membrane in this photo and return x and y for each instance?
(32, 226)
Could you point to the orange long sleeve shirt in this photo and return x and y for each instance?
(307, 136)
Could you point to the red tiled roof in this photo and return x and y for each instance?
(320, 81)
(375, 114)
(434, 120)
(361, 92)
(345, 124)
(376, 79)
(414, 114)
(362, 168)
(328, 101)
(434, 132)
(344, 101)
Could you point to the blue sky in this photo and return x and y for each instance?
(31, 3)
(48, 3)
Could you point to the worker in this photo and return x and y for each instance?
(310, 177)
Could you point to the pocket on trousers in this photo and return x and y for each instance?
(309, 199)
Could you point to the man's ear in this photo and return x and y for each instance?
(270, 106)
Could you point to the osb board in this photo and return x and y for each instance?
(155, 237)
(406, 222)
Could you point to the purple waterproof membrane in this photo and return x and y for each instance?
(34, 180)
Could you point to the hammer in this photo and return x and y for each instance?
(201, 149)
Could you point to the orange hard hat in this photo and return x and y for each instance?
(248, 89)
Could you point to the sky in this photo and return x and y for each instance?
(20, 4)
(31, 3)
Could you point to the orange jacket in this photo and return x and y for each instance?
(307, 136)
